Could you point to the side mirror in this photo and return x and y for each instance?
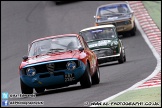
(81, 49)
(25, 58)
(94, 17)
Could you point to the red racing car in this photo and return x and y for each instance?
(58, 61)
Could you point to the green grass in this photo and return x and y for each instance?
(154, 10)
(142, 97)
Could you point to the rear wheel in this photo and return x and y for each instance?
(86, 80)
(133, 31)
(39, 90)
(96, 77)
(125, 58)
(25, 89)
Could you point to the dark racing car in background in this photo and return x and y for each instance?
(119, 14)
(64, 2)
(105, 42)
(58, 61)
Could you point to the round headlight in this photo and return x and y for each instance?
(127, 22)
(71, 65)
(114, 43)
(30, 71)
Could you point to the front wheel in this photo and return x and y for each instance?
(121, 58)
(25, 89)
(125, 58)
(133, 31)
(39, 90)
(96, 77)
(86, 80)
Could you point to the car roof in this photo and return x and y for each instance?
(112, 4)
(96, 27)
(55, 36)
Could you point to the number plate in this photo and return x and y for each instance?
(111, 18)
(101, 53)
(69, 77)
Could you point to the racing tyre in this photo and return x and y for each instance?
(133, 31)
(86, 80)
(96, 77)
(125, 58)
(121, 58)
(25, 89)
(39, 90)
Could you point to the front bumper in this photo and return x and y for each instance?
(102, 57)
(47, 79)
(124, 28)
(120, 26)
(108, 58)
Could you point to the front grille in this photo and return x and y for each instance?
(57, 66)
(103, 52)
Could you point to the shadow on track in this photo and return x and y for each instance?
(108, 64)
(59, 90)
(127, 35)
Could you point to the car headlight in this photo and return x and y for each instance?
(127, 22)
(30, 71)
(114, 43)
(71, 65)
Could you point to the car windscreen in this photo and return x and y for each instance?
(98, 34)
(60, 44)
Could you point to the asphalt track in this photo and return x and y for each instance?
(24, 21)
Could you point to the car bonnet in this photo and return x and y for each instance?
(54, 56)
